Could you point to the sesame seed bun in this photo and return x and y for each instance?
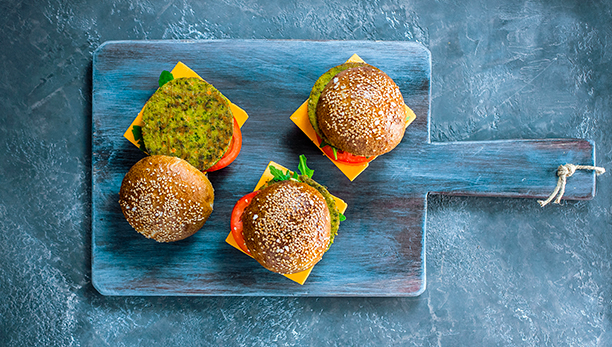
(165, 198)
(317, 89)
(287, 227)
(361, 111)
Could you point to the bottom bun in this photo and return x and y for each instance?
(165, 198)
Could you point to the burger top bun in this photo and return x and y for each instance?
(361, 111)
(286, 227)
(166, 198)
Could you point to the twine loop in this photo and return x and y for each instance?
(565, 171)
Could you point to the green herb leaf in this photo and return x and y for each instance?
(342, 217)
(165, 77)
(334, 149)
(137, 132)
(279, 175)
(304, 169)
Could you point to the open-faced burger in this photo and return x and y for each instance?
(358, 112)
(289, 224)
(190, 119)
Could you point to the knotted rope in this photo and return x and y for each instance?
(565, 171)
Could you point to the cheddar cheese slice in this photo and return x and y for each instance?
(180, 70)
(299, 277)
(300, 118)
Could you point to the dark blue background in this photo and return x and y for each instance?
(499, 271)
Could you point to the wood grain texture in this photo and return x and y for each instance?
(380, 247)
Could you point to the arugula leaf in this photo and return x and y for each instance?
(165, 77)
(342, 217)
(304, 169)
(334, 149)
(137, 132)
(279, 175)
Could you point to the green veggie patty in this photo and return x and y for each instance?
(190, 119)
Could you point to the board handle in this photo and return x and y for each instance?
(504, 168)
(514, 168)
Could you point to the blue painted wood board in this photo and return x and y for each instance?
(380, 249)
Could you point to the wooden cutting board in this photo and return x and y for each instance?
(380, 249)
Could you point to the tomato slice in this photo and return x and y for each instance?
(236, 222)
(232, 152)
(344, 157)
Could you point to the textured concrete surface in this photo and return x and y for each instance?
(499, 271)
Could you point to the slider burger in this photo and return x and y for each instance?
(165, 198)
(190, 119)
(358, 113)
(289, 224)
